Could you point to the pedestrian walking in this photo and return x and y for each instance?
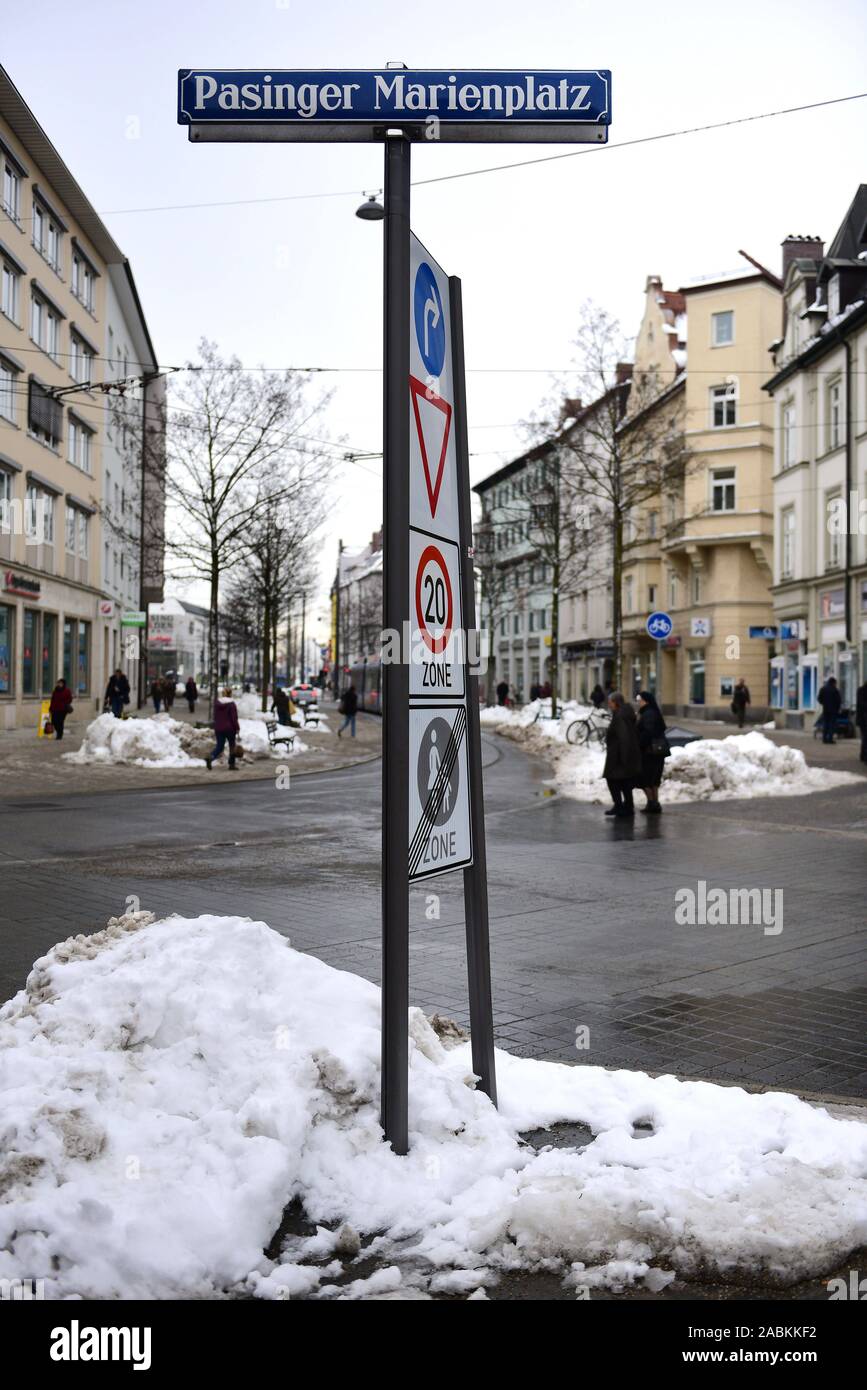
(60, 706)
(830, 699)
(502, 693)
(622, 768)
(349, 709)
(284, 706)
(157, 694)
(861, 718)
(168, 684)
(226, 728)
(191, 691)
(654, 749)
(597, 695)
(740, 700)
(117, 693)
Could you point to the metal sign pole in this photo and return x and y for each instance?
(476, 876)
(395, 675)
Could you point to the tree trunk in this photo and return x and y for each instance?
(214, 634)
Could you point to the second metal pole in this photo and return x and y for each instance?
(395, 675)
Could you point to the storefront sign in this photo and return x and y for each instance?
(135, 619)
(766, 634)
(700, 627)
(793, 630)
(20, 584)
(672, 642)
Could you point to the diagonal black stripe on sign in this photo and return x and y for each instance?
(434, 803)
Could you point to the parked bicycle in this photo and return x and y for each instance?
(592, 728)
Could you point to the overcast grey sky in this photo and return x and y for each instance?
(299, 283)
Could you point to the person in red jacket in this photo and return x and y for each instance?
(61, 704)
(225, 727)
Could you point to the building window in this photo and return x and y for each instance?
(723, 328)
(38, 516)
(651, 595)
(10, 292)
(44, 327)
(724, 405)
(8, 377)
(7, 629)
(81, 359)
(787, 546)
(44, 415)
(834, 417)
(516, 624)
(653, 525)
(788, 423)
(628, 593)
(834, 295)
(83, 282)
(672, 589)
(29, 645)
(723, 490)
(83, 528)
(46, 235)
(832, 532)
(696, 586)
(11, 191)
(78, 444)
(696, 676)
(70, 530)
(49, 644)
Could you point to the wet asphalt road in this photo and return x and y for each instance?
(583, 923)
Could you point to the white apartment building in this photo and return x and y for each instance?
(819, 392)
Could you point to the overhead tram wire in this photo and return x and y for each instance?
(514, 164)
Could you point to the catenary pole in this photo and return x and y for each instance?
(395, 705)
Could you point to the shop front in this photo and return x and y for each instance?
(47, 630)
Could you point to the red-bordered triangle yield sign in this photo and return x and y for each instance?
(428, 426)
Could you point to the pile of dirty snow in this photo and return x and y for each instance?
(160, 742)
(712, 769)
(169, 1087)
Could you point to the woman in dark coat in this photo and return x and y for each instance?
(651, 730)
(191, 691)
(622, 769)
(61, 704)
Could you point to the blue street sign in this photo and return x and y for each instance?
(353, 105)
(430, 321)
(768, 633)
(659, 625)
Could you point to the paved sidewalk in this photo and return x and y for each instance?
(35, 767)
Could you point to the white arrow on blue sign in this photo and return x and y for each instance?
(659, 625)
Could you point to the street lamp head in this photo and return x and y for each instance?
(371, 211)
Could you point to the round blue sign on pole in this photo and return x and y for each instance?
(429, 319)
(659, 625)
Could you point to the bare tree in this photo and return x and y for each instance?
(236, 448)
(623, 452)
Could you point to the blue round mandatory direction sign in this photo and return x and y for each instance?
(659, 625)
(430, 320)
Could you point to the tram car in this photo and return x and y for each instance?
(366, 677)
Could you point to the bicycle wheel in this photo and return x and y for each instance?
(576, 733)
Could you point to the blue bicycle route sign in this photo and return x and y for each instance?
(476, 106)
(659, 625)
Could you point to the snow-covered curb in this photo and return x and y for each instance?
(713, 769)
(160, 741)
(169, 1086)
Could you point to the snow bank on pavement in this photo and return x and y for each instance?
(150, 742)
(169, 1086)
(160, 741)
(713, 769)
